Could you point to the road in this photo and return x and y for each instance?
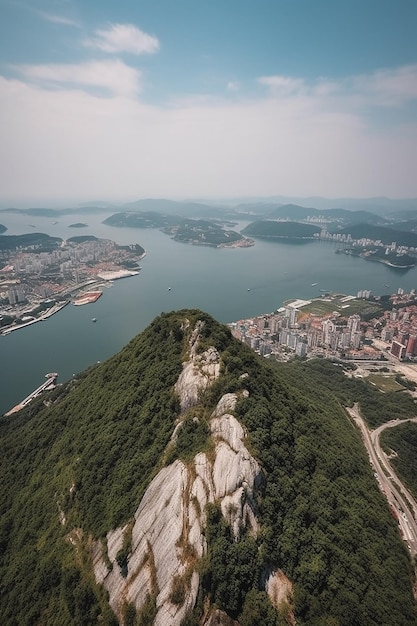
(399, 498)
(409, 370)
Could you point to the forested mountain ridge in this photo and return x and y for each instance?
(79, 469)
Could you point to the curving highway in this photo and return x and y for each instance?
(399, 498)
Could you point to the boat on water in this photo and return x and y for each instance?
(314, 284)
(94, 319)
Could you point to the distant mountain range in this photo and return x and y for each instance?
(384, 234)
(399, 208)
(295, 212)
(379, 205)
(374, 218)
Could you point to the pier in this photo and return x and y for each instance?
(48, 384)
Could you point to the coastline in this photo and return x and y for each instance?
(45, 315)
(366, 257)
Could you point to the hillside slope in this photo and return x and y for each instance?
(186, 477)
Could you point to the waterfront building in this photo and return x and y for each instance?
(291, 315)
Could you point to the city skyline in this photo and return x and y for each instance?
(181, 100)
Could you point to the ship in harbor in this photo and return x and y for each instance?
(86, 298)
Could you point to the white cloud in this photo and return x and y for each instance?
(283, 85)
(233, 85)
(385, 87)
(114, 76)
(58, 19)
(123, 38)
(390, 87)
(66, 142)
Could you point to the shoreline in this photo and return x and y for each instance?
(45, 315)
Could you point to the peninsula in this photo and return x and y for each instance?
(388, 256)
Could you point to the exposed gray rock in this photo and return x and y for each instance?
(198, 373)
(167, 530)
(280, 591)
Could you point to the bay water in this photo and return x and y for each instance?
(230, 284)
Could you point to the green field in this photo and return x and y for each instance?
(385, 382)
(328, 304)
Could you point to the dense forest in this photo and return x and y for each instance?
(140, 219)
(38, 242)
(401, 442)
(336, 216)
(285, 230)
(80, 459)
(385, 234)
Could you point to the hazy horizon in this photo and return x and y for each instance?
(79, 203)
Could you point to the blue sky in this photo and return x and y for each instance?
(214, 98)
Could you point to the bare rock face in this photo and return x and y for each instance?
(198, 373)
(167, 539)
(280, 591)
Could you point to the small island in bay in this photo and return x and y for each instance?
(206, 233)
(2, 228)
(78, 225)
(185, 230)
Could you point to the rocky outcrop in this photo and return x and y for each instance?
(167, 538)
(198, 372)
(280, 591)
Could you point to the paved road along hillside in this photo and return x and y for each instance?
(399, 498)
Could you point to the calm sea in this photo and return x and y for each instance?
(230, 284)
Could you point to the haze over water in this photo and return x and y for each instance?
(214, 280)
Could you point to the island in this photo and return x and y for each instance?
(141, 219)
(78, 225)
(40, 274)
(184, 230)
(2, 229)
(206, 233)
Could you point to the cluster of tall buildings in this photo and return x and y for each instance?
(289, 330)
(399, 328)
(16, 294)
(64, 259)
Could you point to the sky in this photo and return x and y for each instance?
(181, 99)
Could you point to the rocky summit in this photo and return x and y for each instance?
(187, 481)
